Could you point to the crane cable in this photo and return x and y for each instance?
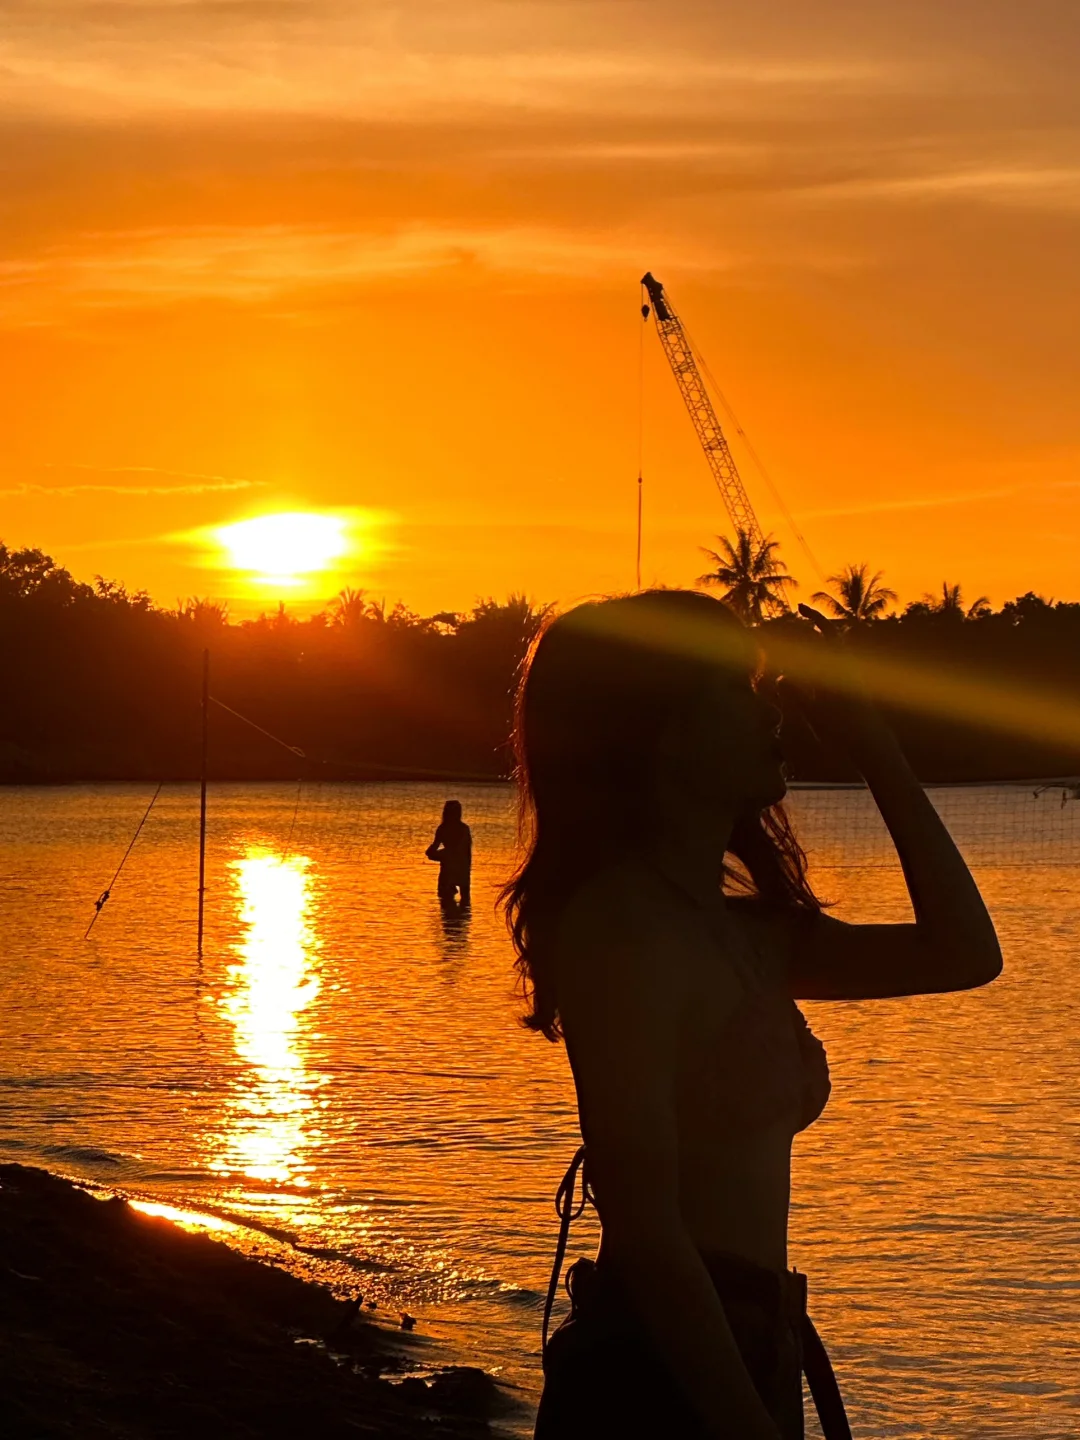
(640, 425)
(99, 903)
(754, 456)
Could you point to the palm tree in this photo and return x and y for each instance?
(206, 613)
(517, 620)
(349, 607)
(952, 603)
(751, 574)
(860, 595)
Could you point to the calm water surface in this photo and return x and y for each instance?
(341, 1081)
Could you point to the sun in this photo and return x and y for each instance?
(286, 548)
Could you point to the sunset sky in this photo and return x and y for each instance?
(378, 264)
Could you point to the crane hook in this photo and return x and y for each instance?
(645, 312)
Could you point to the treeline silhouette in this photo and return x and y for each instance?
(100, 684)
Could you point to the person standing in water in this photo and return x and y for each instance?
(665, 928)
(452, 848)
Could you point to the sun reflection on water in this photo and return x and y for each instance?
(270, 1126)
(187, 1219)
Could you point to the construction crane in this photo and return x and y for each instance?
(684, 367)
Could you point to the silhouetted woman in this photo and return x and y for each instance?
(452, 848)
(665, 927)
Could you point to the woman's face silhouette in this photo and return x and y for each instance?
(725, 748)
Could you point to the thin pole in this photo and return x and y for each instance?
(202, 787)
(639, 489)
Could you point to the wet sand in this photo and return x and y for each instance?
(116, 1324)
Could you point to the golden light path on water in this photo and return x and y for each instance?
(272, 984)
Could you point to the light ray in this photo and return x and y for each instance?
(943, 692)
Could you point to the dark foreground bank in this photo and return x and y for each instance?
(115, 1324)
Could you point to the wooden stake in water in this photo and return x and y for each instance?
(202, 788)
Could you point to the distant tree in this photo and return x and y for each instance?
(1029, 607)
(396, 617)
(204, 613)
(32, 575)
(860, 596)
(401, 617)
(751, 575)
(98, 687)
(951, 604)
(919, 609)
(446, 621)
(279, 623)
(117, 593)
(486, 652)
(349, 608)
(517, 618)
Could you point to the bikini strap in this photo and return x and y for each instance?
(567, 1209)
(821, 1379)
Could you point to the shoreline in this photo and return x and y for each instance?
(121, 1324)
(947, 780)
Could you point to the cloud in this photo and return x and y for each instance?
(1038, 186)
(935, 502)
(254, 263)
(396, 60)
(196, 484)
(244, 150)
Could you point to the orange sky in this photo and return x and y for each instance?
(266, 256)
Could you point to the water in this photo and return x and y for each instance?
(341, 1081)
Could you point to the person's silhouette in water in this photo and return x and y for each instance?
(452, 848)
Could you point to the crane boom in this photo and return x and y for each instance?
(692, 388)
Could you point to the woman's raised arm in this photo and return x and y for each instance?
(952, 944)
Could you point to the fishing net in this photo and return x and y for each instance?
(1016, 824)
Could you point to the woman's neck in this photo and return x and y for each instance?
(691, 843)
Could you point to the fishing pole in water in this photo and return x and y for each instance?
(99, 903)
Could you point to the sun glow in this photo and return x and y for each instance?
(284, 549)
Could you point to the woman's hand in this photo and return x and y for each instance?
(952, 945)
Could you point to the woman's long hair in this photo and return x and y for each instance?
(599, 688)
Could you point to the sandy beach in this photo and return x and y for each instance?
(122, 1325)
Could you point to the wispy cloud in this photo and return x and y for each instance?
(936, 502)
(191, 483)
(1037, 185)
(381, 60)
(254, 263)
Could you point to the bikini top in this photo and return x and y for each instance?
(761, 1065)
(765, 1066)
